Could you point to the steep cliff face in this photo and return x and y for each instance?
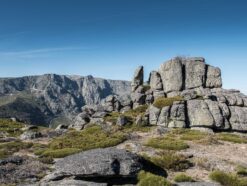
(42, 99)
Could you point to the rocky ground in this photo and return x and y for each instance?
(204, 153)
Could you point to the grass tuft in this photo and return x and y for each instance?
(11, 128)
(163, 102)
(76, 141)
(231, 138)
(227, 179)
(149, 179)
(9, 148)
(167, 143)
(241, 171)
(170, 160)
(183, 178)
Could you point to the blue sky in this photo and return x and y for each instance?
(110, 38)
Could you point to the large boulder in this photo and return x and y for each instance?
(213, 77)
(137, 79)
(154, 113)
(164, 116)
(110, 165)
(199, 114)
(238, 119)
(194, 73)
(177, 115)
(172, 75)
(155, 81)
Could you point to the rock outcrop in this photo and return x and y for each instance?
(109, 165)
(202, 100)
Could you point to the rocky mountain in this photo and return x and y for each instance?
(51, 98)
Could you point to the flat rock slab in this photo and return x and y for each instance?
(197, 184)
(102, 165)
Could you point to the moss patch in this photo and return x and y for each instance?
(163, 102)
(183, 178)
(231, 138)
(11, 128)
(7, 149)
(227, 179)
(169, 160)
(167, 143)
(76, 141)
(148, 179)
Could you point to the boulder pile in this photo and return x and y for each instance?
(192, 96)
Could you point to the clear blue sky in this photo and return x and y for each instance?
(110, 38)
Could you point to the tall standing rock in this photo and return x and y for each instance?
(213, 77)
(172, 76)
(155, 81)
(137, 79)
(195, 70)
(156, 85)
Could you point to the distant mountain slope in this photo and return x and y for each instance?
(42, 99)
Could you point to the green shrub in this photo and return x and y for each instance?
(192, 135)
(112, 117)
(171, 161)
(76, 141)
(149, 179)
(241, 170)
(7, 149)
(183, 178)
(60, 153)
(167, 143)
(12, 128)
(227, 179)
(137, 111)
(163, 102)
(46, 160)
(231, 138)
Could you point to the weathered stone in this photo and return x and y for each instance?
(158, 94)
(80, 121)
(199, 114)
(70, 182)
(245, 101)
(137, 79)
(189, 94)
(239, 101)
(149, 99)
(197, 184)
(172, 76)
(141, 120)
(59, 127)
(154, 113)
(110, 163)
(155, 81)
(213, 77)
(231, 99)
(238, 119)
(177, 116)
(226, 115)
(138, 98)
(164, 116)
(216, 113)
(122, 120)
(31, 134)
(195, 74)
(173, 94)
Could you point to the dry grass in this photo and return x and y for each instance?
(163, 102)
